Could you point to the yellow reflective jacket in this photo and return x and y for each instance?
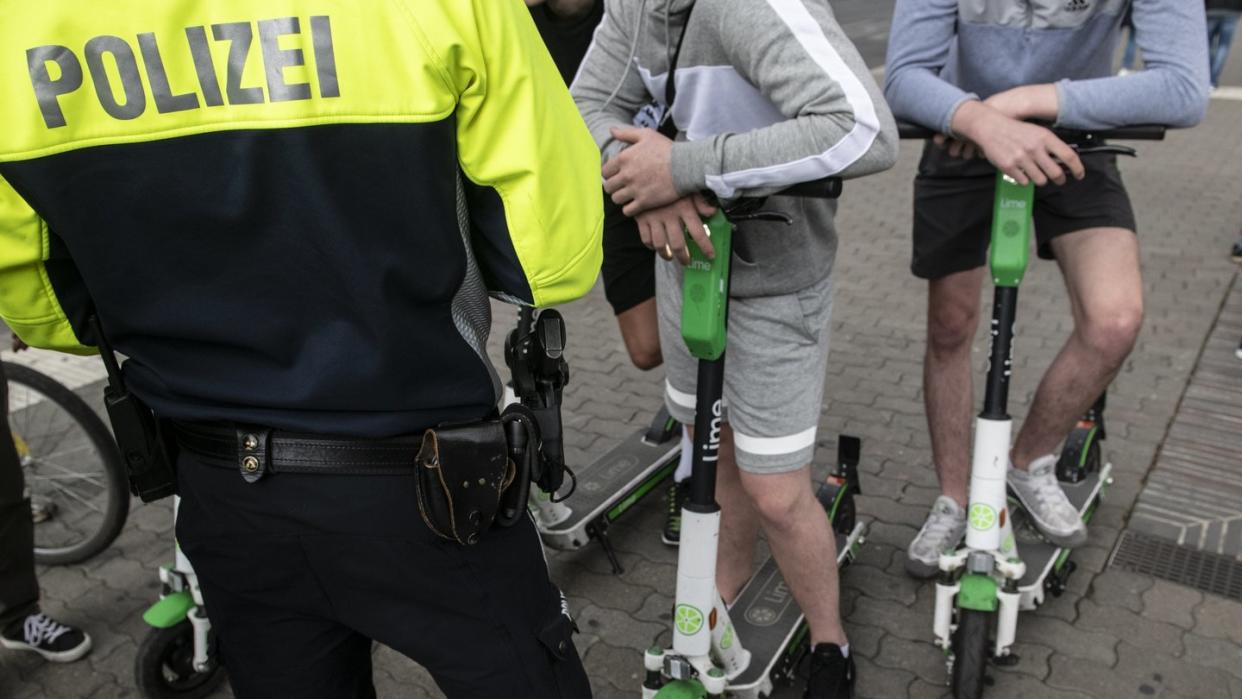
(289, 212)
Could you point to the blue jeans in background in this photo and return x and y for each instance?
(1221, 25)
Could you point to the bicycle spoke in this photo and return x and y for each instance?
(67, 477)
(64, 466)
(84, 447)
(75, 496)
(67, 472)
(44, 437)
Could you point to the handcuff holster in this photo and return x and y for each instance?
(475, 476)
(463, 471)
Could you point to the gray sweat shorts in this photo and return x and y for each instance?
(775, 362)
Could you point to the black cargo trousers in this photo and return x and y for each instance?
(19, 589)
(301, 572)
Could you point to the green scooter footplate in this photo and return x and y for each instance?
(611, 480)
(766, 617)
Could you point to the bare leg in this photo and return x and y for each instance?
(739, 524)
(803, 544)
(952, 317)
(1101, 270)
(641, 333)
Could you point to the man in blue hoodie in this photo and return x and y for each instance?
(977, 71)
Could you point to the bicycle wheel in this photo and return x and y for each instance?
(78, 488)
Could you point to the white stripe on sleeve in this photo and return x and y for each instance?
(845, 152)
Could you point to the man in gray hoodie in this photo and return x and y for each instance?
(768, 93)
(976, 71)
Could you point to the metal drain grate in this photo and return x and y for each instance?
(1206, 572)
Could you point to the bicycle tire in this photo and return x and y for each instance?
(100, 438)
(970, 653)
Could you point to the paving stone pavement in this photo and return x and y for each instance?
(1114, 634)
(1193, 494)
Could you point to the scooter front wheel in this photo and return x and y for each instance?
(164, 667)
(970, 653)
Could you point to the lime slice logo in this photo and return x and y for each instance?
(982, 517)
(1009, 544)
(726, 641)
(688, 619)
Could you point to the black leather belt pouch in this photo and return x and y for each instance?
(463, 470)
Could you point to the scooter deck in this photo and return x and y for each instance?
(1041, 556)
(612, 484)
(766, 615)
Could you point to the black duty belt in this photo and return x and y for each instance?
(258, 451)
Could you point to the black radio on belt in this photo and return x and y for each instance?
(148, 460)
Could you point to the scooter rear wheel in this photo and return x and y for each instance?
(1081, 455)
(970, 653)
(164, 666)
(845, 516)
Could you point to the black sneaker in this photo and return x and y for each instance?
(47, 637)
(832, 674)
(1236, 253)
(677, 494)
(1238, 351)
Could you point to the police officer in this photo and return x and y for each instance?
(288, 221)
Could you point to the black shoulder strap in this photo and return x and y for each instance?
(670, 85)
(109, 357)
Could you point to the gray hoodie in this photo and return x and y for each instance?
(769, 93)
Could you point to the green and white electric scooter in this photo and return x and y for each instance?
(984, 584)
(178, 658)
(743, 649)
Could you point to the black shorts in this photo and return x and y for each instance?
(629, 266)
(953, 210)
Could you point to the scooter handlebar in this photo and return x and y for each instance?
(912, 132)
(1141, 132)
(826, 188)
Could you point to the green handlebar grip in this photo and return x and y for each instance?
(1011, 231)
(705, 292)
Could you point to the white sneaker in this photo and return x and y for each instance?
(941, 533)
(1040, 493)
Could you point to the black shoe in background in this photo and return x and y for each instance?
(677, 494)
(832, 674)
(1236, 253)
(39, 633)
